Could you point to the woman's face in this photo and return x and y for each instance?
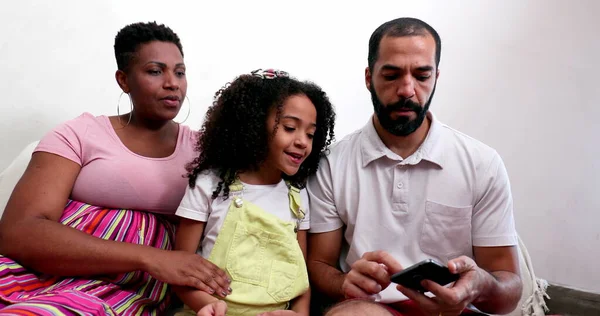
(155, 81)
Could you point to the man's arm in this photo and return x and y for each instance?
(369, 275)
(501, 291)
(494, 229)
(323, 255)
(325, 237)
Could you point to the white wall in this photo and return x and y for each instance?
(518, 75)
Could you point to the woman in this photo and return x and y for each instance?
(120, 177)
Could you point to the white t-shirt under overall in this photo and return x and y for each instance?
(197, 204)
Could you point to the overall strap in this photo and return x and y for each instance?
(295, 201)
(236, 186)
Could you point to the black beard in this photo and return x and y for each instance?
(401, 126)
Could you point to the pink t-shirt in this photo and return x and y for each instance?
(111, 175)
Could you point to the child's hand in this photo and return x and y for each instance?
(280, 313)
(216, 308)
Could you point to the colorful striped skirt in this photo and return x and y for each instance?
(25, 292)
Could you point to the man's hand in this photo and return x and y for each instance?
(450, 301)
(369, 275)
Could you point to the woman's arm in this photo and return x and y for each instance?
(31, 234)
(189, 233)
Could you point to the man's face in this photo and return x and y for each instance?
(402, 82)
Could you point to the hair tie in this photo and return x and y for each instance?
(270, 73)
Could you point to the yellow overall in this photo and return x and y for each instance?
(261, 254)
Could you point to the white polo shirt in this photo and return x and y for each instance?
(452, 194)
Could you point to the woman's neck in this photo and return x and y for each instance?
(145, 129)
(157, 126)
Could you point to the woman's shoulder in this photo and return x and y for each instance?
(81, 123)
(187, 140)
(86, 118)
(188, 133)
(69, 138)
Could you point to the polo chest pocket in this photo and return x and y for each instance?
(446, 231)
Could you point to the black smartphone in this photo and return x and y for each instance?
(429, 269)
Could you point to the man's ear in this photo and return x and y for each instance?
(368, 78)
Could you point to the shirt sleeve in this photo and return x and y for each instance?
(66, 140)
(493, 220)
(197, 201)
(305, 222)
(324, 214)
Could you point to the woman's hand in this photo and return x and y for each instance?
(188, 269)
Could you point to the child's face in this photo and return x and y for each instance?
(292, 142)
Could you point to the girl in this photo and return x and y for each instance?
(245, 207)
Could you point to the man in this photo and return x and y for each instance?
(405, 188)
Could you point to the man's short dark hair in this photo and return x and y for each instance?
(399, 28)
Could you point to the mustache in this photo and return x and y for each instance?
(404, 105)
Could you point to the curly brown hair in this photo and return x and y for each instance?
(234, 137)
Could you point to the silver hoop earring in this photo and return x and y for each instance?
(188, 113)
(130, 112)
